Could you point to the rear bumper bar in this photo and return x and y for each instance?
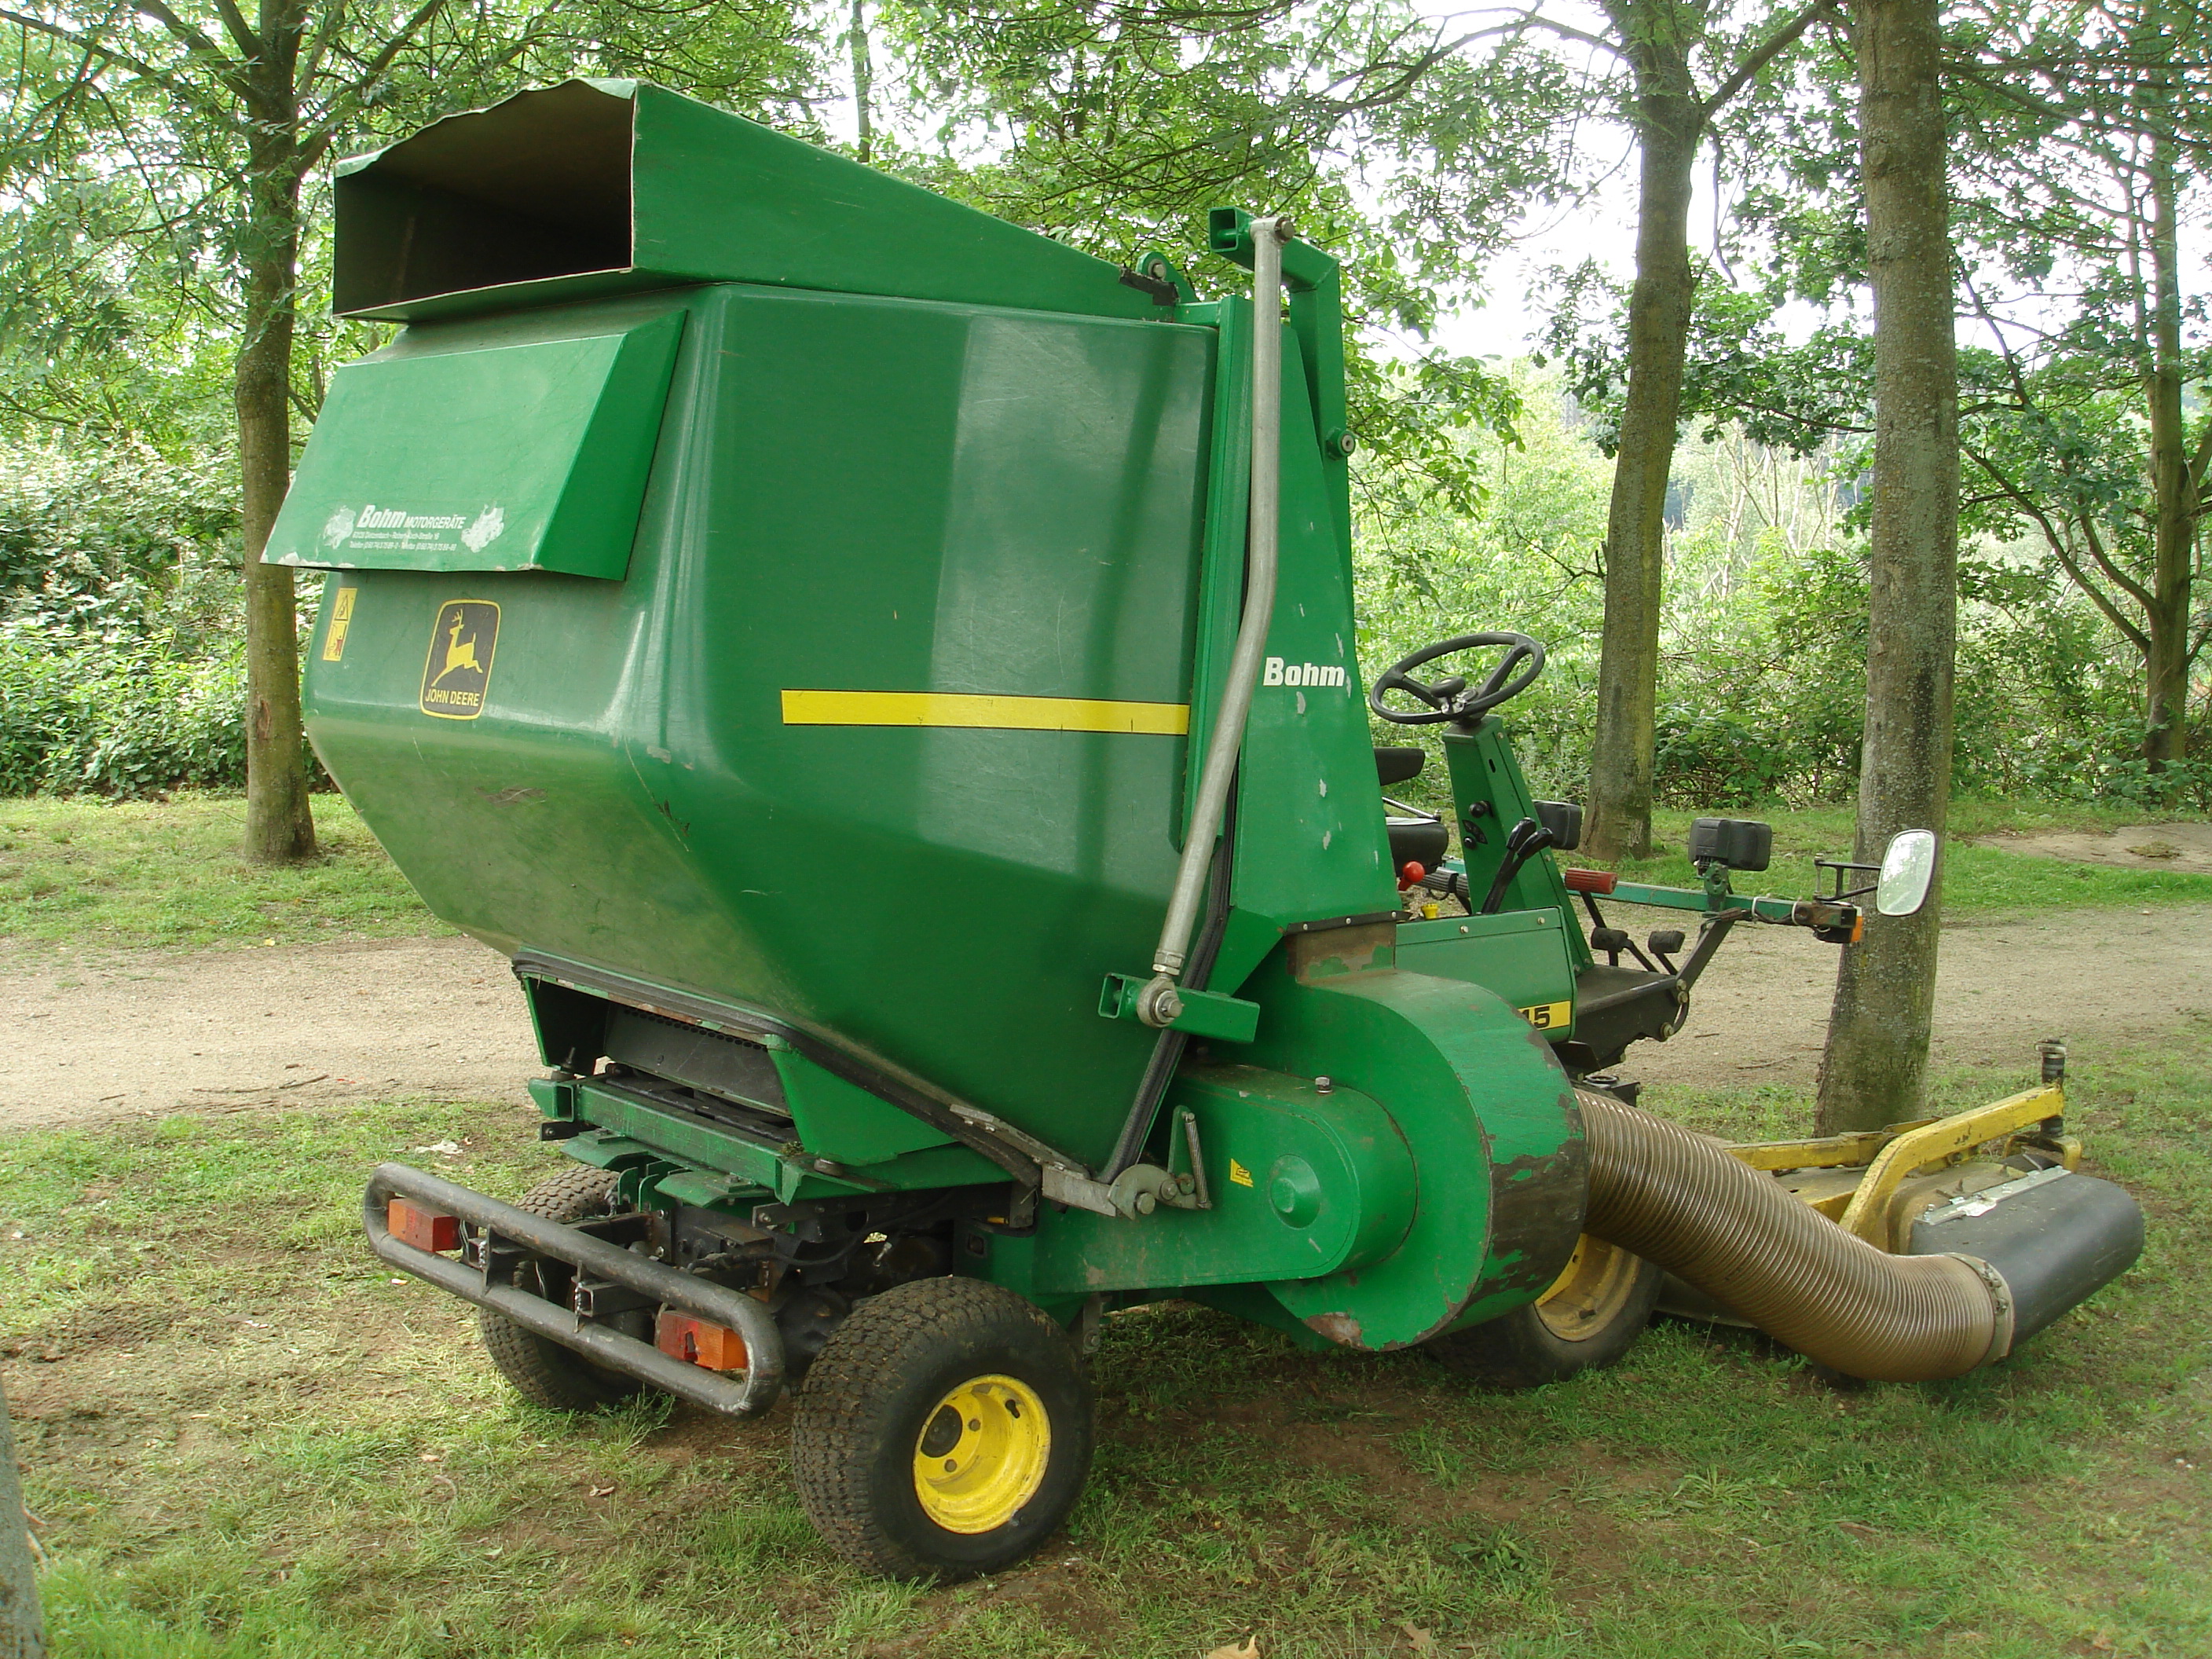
(492, 1224)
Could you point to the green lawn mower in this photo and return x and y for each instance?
(886, 680)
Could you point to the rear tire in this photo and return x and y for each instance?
(945, 1431)
(1588, 1319)
(541, 1370)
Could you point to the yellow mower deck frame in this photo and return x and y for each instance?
(1863, 1205)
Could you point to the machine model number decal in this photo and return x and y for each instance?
(459, 671)
(334, 638)
(1238, 1175)
(1548, 1015)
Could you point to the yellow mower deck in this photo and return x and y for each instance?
(1875, 1184)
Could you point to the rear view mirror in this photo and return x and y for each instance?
(1907, 868)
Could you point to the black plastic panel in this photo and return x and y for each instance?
(1739, 844)
(699, 1059)
(2056, 1241)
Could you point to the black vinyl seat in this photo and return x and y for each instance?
(1416, 838)
(1396, 765)
(1421, 841)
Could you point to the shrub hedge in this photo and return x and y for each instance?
(125, 720)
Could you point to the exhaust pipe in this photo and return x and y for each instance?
(1682, 1201)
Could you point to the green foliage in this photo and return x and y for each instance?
(121, 665)
(118, 542)
(1525, 560)
(126, 139)
(1763, 674)
(1764, 693)
(124, 721)
(1362, 120)
(2078, 141)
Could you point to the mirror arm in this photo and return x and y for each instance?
(1839, 866)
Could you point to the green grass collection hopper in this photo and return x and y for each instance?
(886, 680)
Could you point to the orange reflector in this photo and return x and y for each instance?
(698, 1342)
(1858, 927)
(426, 1230)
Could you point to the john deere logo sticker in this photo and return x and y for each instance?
(458, 672)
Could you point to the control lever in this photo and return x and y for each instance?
(1666, 942)
(1525, 840)
(1613, 941)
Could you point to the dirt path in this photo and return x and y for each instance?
(160, 1031)
(2099, 979)
(2186, 847)
(154, 1033)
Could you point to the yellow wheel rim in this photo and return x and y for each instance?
(1590, 1292)
(981, 1454)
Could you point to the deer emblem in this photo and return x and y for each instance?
(459, 652)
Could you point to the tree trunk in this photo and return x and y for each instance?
(280, 827)
(21, 1633)
(2166, 727)
(1668, 123)
(1877, 1056)
(864, 82)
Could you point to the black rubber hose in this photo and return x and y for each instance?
(1683, 1200)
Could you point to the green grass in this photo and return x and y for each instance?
(123, 874)
(244, 1438)
(120, 874)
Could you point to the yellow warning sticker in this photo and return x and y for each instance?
(1238, 1174)
(341, 620)
(1548, 1015)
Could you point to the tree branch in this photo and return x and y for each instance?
(2060, 547)
(87, 44)
(2119, 577)
(228, 69)
(1768, 50)
(1532, 19)
(315, 141)
(241, 33)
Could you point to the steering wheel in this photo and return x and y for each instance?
(1451, 699)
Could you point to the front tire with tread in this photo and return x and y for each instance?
(864, 1414)
(1588, 1319)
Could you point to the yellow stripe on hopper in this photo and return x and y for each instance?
(960, 708)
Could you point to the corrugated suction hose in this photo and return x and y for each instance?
(1681, 1199)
